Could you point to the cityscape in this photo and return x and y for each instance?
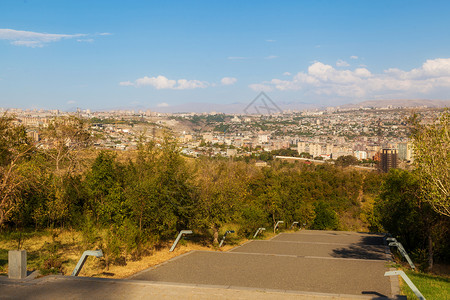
(326, 134)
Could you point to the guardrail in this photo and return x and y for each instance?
(80, 264)
(182, 232)
(224, 236)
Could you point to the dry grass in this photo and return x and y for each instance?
(70, 250)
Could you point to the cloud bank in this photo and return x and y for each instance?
(161, 82)
(228, 80)
(323, 79)
(37, 39)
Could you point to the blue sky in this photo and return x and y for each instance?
(108, 54)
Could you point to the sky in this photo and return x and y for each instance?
(102, 55)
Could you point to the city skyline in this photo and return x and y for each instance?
(105, 55)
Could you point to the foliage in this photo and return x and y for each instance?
(432, 159)
(220, 185)
(346, 160)
(401, 211)
(67, 136)
(50, 258)
(325, 217)
(15, 174)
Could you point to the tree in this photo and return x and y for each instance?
(65, 138)
(401, 211)
(14, 152)
(326, 218)
(347, 160)
(105, 189)
(431, 146)
(221, 184)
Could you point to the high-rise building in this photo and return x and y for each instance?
(301, 147)
(405, 151)
(315, 150)
(388, 159)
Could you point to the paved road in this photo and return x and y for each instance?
(67, 287)
(301, 265)
(341, 276)
(331, 237)
(314, 249)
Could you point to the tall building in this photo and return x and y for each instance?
(315, 150)
(301, 147)
(388, 159)
(405, 151)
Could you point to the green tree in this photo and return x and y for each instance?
(326, 217)
(15, 168)
(432, 159)
(220, 185)
(401, 211)
(347, 160)
(105, 189)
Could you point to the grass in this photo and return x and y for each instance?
(431, 286)
(67, 246)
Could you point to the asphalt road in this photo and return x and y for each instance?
(301, 265)
(268, 271)
(331, 237)
(68, 287)
(357, 251)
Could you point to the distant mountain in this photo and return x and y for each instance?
(399, 103)
(238, 108)
(231, 108)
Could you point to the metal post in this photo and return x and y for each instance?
(275, 227)
(408, 282)
(395, 243)
(224, 236)
(293, 225)
(260, 229)
(179, 237)
(96, 253)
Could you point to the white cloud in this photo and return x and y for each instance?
(31, 44)
(163, 104)
(37, 39)
(342, 63)
(228, 80)
(258, 87)
(126, 83)
(161, 82)
(85, 40)
(323, 79)
(270, 57)
(353, 57)
(71, 102)
(184, 84)
(271, 41)
(287, 74)
(33, 39)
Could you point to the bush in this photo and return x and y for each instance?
(326, 218)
